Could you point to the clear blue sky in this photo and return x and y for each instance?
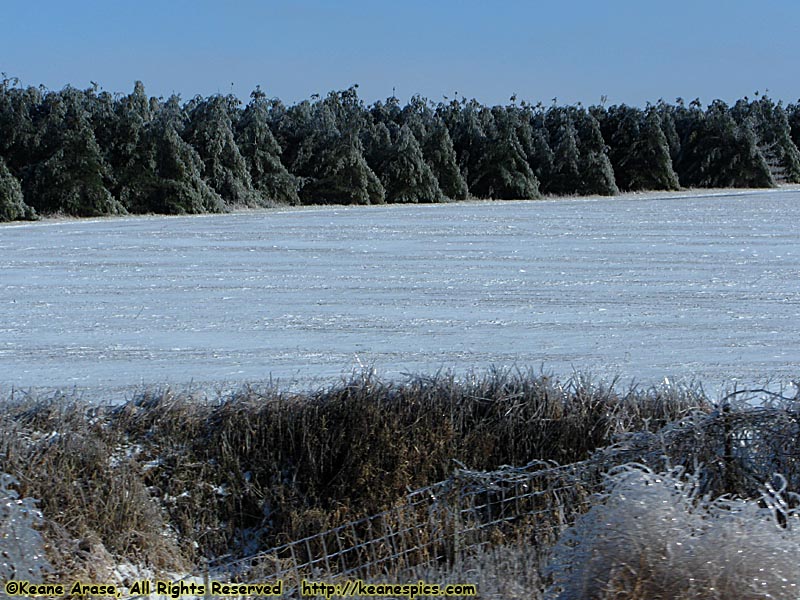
(630, 51)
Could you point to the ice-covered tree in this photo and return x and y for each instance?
(666, 114)
(718, 152)
(166, 175)
(378, 145)
(597, 174)
(262, 154)
(12, 203)
(333, 167)
(770, 124)
(468, 135)
(331, 160)
(19, 108)
(406, 176)
(793, 115)
(503, 171)
(565, 175)
(120, 127)
(73, 179)
(210, 132)
(440, 154)
(638, 149)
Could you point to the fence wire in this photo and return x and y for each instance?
(437, 524)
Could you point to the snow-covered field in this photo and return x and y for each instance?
(645, 287)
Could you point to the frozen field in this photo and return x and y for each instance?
(646, 287)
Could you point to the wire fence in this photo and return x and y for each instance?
(434, 525)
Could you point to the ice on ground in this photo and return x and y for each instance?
(682, 286)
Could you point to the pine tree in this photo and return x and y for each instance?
(419, 116)
(639, 150)
(655, 171)
(166, 175)
(71, 175)
(503, 171)
(537, 148)
(597, 174)
(123, 129)
(718, 152)
(12, 203)
(469, 140)
(565, 175)
(262, 154)
(387, 113)
(19, 111)
(342, 175)
(667, 115)
(378, 146)
(793, 115)
(770, 124)
(210, 132)
(441, 156)
(407, 177)
(331, 160)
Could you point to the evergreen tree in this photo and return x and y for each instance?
(18, 112)
(537, 148)
(210, 132)
(441, 156)
(332, 165)
(773, 133)
(668, 127)
(597, 174)
(533, 140)
(12, 204)
(73, 179)
(122, 128)
(503, 171)
(469, 140)
(295, 130)
(378, 146)
(407, 177)
(639, 150)
(565, 175)
(166, 175)
(718, 152)
(388, 113)
(262, 154)
(341, 175)
(70, 174)
(793, 115)
(654, 171)
(330, 161)
(419, 116)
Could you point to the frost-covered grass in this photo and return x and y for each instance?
(653, 536)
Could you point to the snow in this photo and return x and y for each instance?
(645, 287)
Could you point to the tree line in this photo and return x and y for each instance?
(90, 152)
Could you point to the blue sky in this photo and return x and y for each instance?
(631, 52)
